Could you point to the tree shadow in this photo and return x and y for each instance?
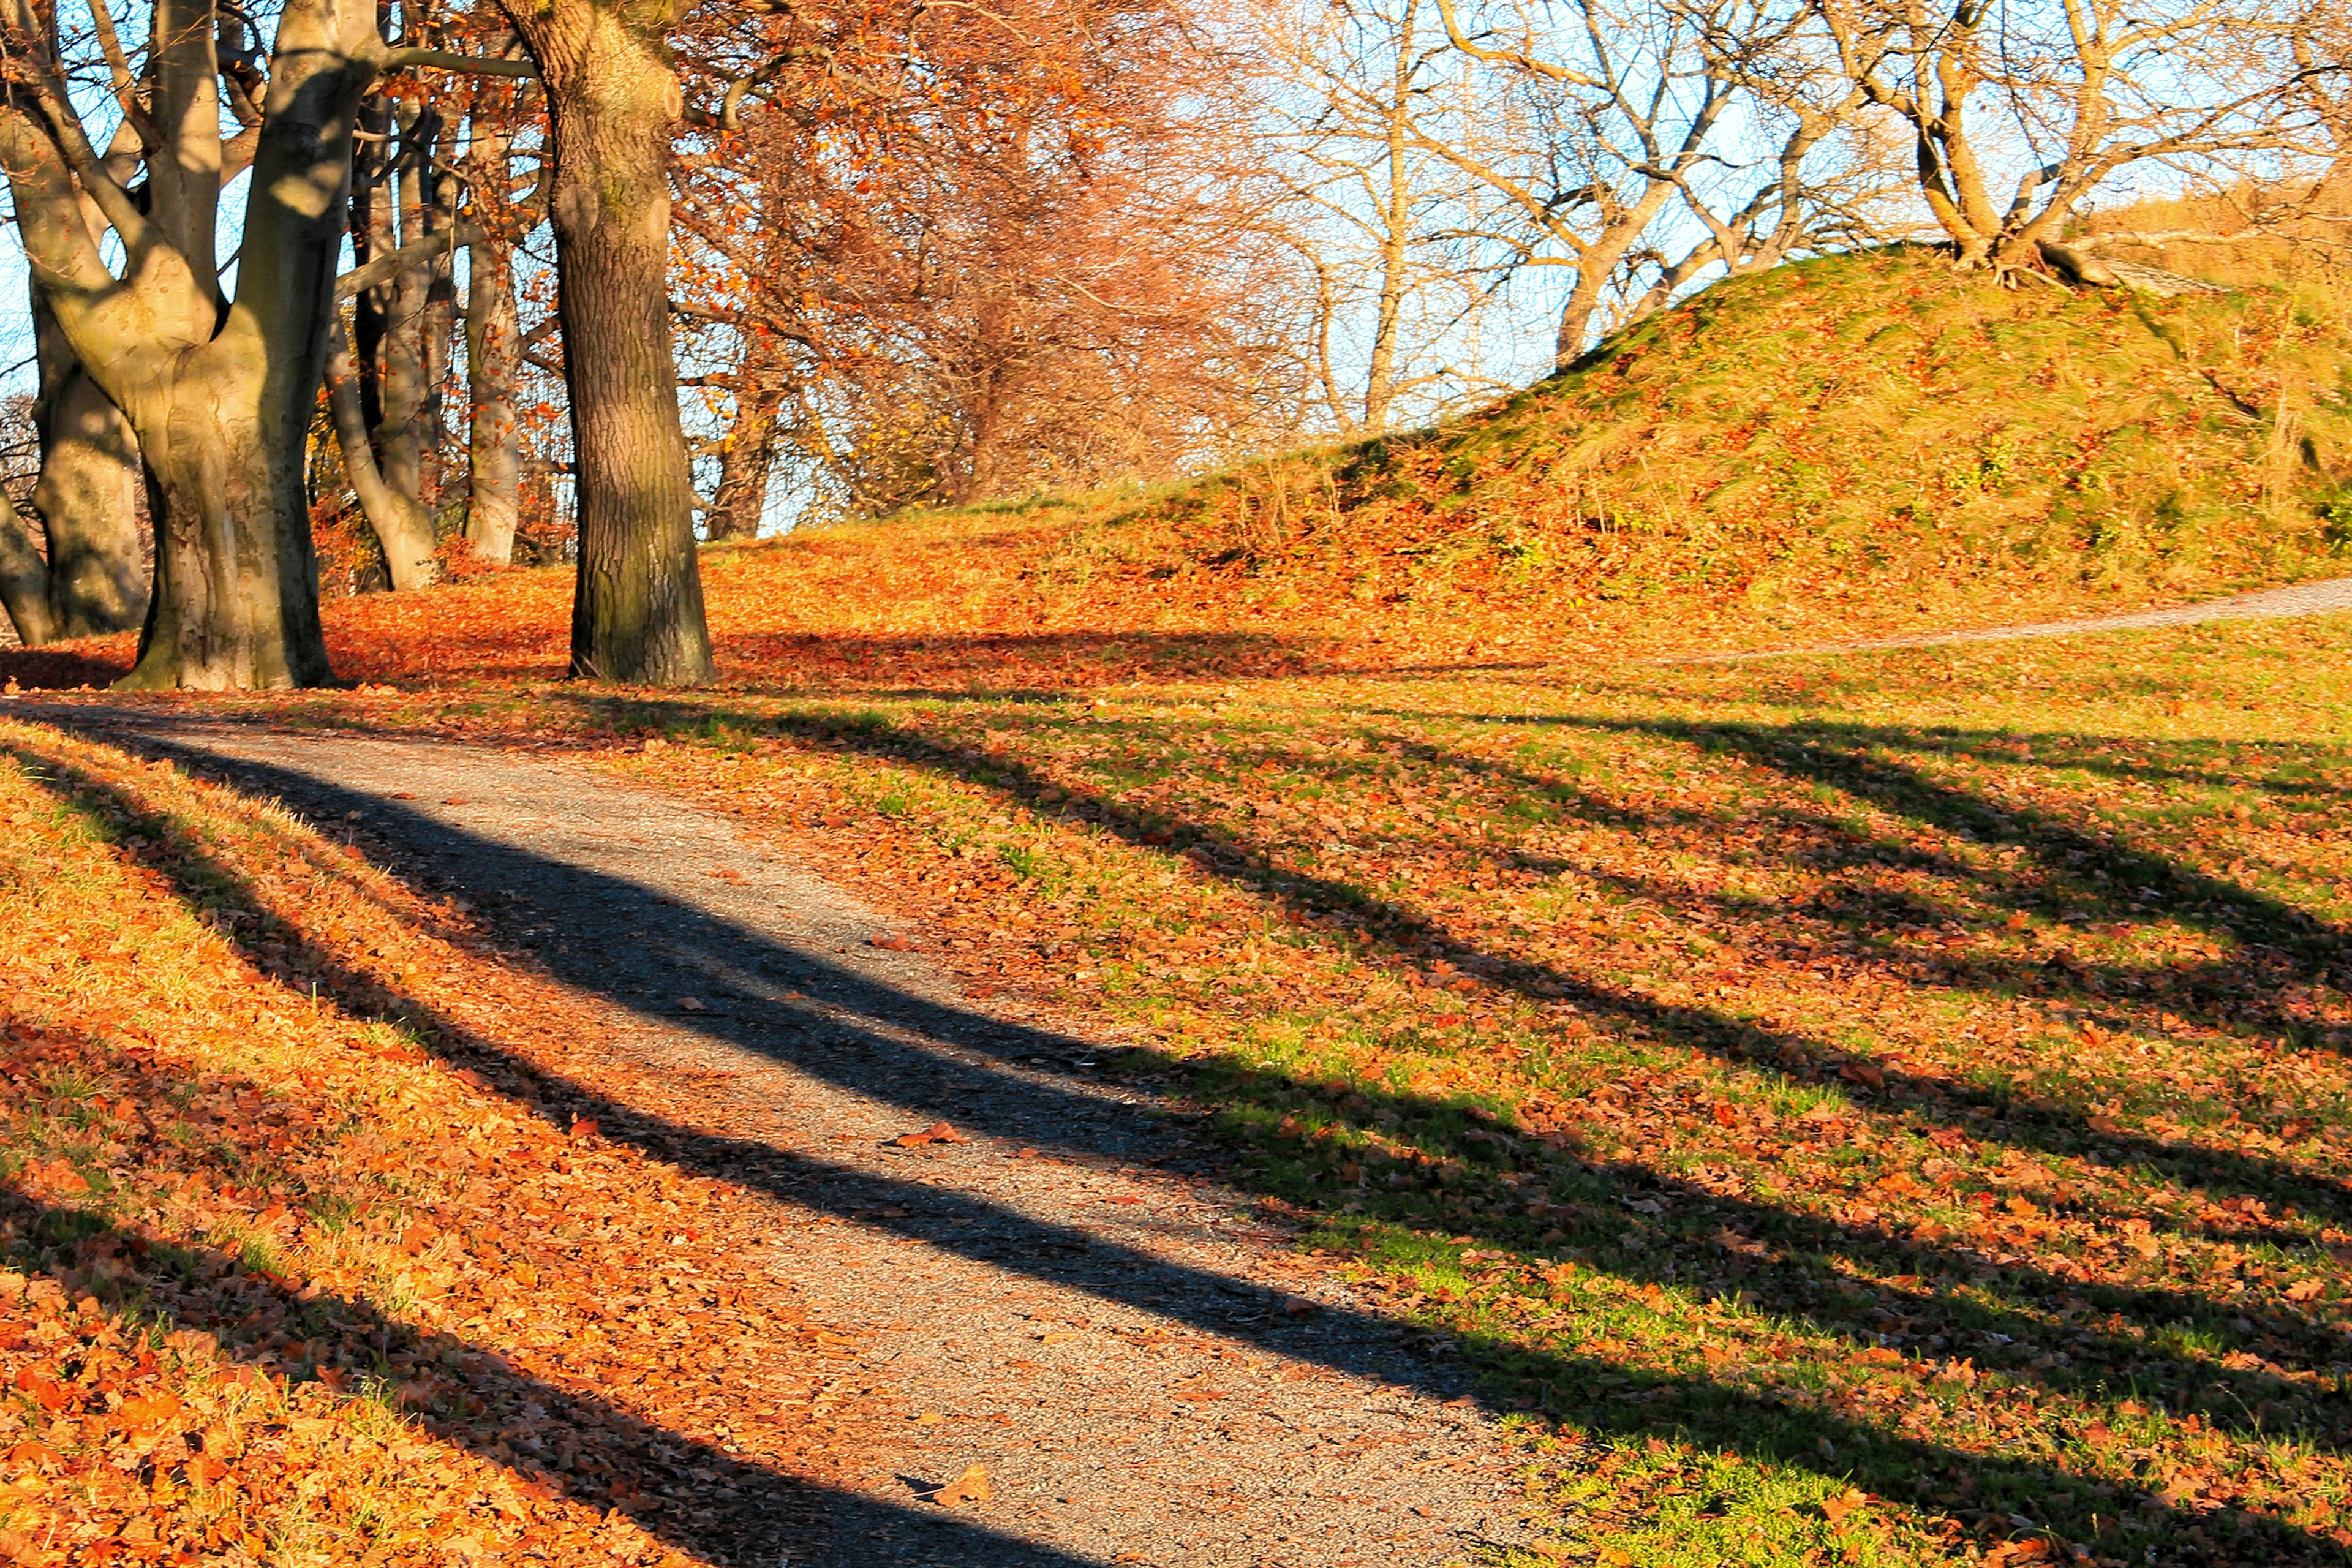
(872, 1051)
(694, 1496)
(1384, 931)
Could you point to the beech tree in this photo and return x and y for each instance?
(614, 103)
(85, 499)
(219, 391)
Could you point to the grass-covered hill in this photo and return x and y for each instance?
(1801, 445)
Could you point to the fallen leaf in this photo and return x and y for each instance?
(970, 1487)
(148, 1410)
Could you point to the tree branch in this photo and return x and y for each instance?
(463, 65)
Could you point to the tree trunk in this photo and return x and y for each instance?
(24, 581)
(404, 435)
(636, 612)
(402, 528)
(493, 359)
(220, 397)
(1396, 232)
(237, 588)
(750, 459)
(87, 495)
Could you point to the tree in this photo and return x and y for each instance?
(1001, 250)
(1359, 93)
(493, 351)
(2051, 99)
(1647, 144)
(219, 391)
(87, 497)
(613, 104)
(86, 500)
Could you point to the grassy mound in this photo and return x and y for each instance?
(1868, 427)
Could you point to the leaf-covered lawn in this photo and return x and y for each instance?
(282, 1280)
(1859, 1108)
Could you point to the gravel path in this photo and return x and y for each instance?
(2269, 604)
(1146, 1373)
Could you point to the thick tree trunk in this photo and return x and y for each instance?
(237, 588)
(87, 495)
(636, 613)
(749, 461)
(221, 398)
(493, 359)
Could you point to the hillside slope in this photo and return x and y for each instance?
(1783, 449)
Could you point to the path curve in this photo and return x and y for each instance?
(2268, 603)
(1120, 1344)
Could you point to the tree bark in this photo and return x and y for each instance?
(86, 499)
(24, 581)
(88, 494)
(613, 100)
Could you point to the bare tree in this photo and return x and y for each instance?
(2016, 113)
(1654, 143)
(1359, 94)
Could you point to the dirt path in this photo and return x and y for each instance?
(1130, 1354)
(2269, 604)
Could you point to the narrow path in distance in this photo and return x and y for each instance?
(1064, 1296)
(2268, 603)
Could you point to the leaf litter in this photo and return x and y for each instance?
(1854, 1108)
